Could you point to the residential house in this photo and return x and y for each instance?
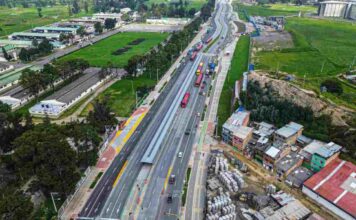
(318, 154)
(286, 164)
(273, 154)
(288, 134)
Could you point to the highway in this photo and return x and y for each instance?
(163, 129)
(135, 146)
(179, 165)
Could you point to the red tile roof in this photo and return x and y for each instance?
(328, 183)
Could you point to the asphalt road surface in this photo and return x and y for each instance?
(107, 200)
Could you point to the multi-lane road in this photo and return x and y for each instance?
(150, 155)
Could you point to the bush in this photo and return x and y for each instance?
(332, 86)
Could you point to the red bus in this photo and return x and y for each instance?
(199, 79)
(199, 46)
(193, 56)
(185, 100)
(209, 39)
(199, 70)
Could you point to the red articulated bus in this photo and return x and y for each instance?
(185, 100)
(208, 41)
(194, 55)
(199, 79)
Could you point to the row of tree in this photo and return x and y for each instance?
(159, 60)
(37, 80)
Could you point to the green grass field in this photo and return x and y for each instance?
(20, 19)
(239, 65)
(101, 52)
(121, 96)
(323, 48)
(273, 9)
(197, 4)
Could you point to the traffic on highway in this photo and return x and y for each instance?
(154, 161)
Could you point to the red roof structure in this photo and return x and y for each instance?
(336, 183)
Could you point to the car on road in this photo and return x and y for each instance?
(170, 198)
(172, 179)
(187, 132)
(180, 154)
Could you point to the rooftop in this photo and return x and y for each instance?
(283, 198)
(293, 210)
(4, 42)
(238, 118)
(304, 140)
(288, 161)
(328, 150)
(242, 131)
(55, 28)
(272, 151)
(289, 130)
(320, 148)
(336, 183)
(31, 34)
(310, 149)
(298, 176)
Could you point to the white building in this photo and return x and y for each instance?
(339, 9)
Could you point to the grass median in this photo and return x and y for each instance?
(239, 64)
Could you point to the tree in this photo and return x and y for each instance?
(81, 31)
(14, 204)
(98, 27)
(45, 47)
(76, 8)
(45, 153)
(332, 86)
(24, 55)
(35, 43)
(191, 12)
(49, 74)
(70, 13)
(110, 23)
(101, 115)
(39, 11)
(32, 80)
(86, 7)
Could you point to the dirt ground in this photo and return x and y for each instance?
(273, 40)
